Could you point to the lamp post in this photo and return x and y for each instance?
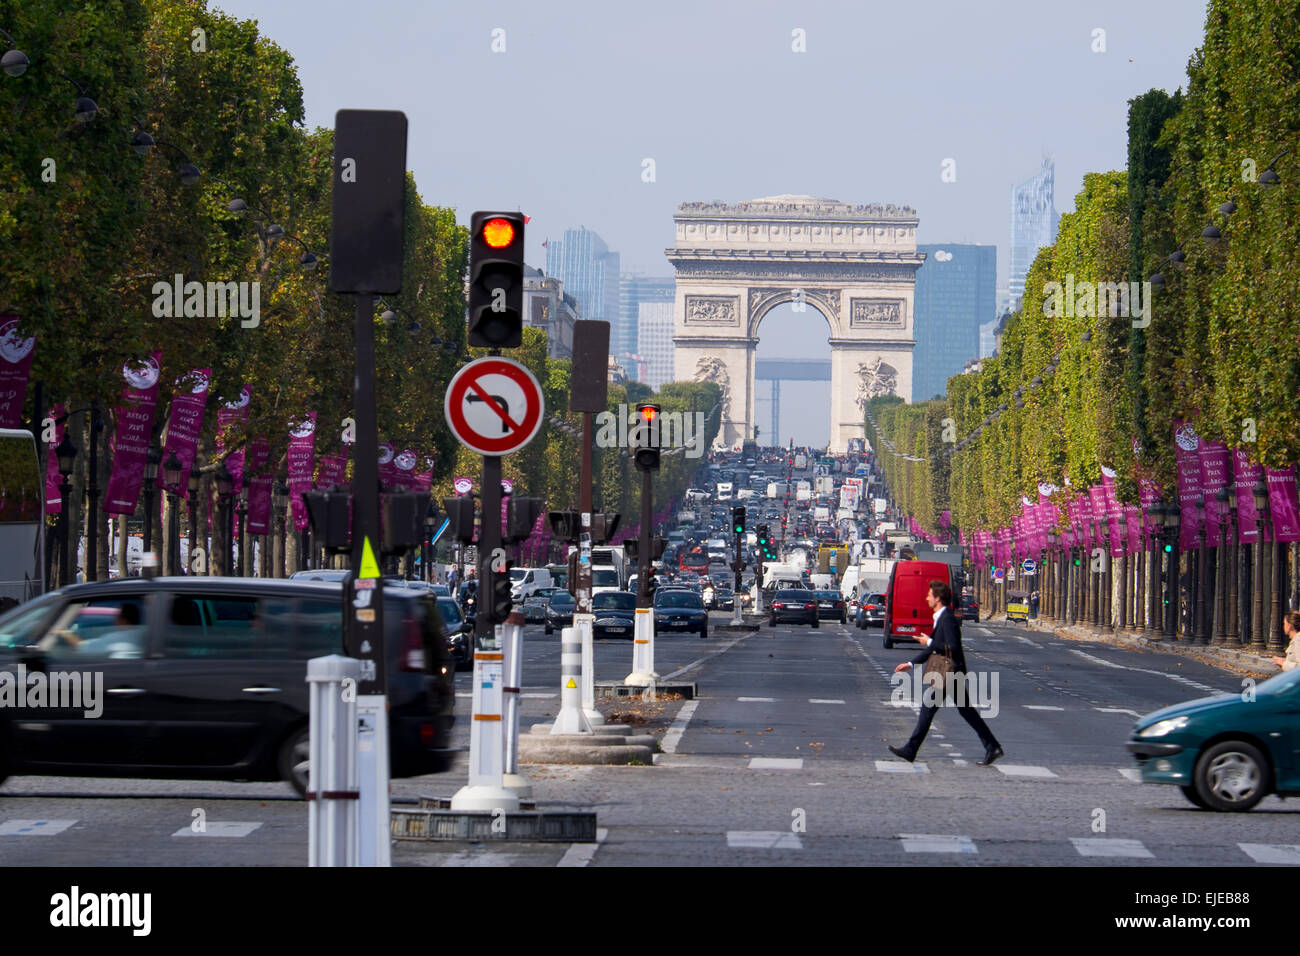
(1050, 570)
(172, 469)
(194, 483)
(1173, 518)
(225, 482)
(149, 557)
(280, 531)
(1125, 590)
(66, 453)
(243, 552)
(1218, 635)
(1199, 622)
(1259, 639)
(430, 522)
(1153, 625)
(1275, 564)
(1231, 581)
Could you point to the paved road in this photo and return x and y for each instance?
(781, 761)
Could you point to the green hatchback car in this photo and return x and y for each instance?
(1226, 752)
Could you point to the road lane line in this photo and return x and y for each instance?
(1117, 710)
(580, 854)
(775, 763)
(1024, 770)
(936, 843)
(700, 660)
(213, 828)
(763, 840)
(1179, 678)
(1041, 707)
(1272, 852)
(34, 827)
(901, 766)
(756, 700)
(1111, 846)
(815, 700)
(1130, 773)
(678, 727)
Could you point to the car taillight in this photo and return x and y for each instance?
(809, 607)
(839, 603)
(778, 606)
(427, 734)
(871, 607)
(412, 647)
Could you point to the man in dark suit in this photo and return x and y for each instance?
(946, 639)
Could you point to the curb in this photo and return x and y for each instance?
(1221, 657)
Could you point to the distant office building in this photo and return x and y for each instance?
(589, 271)
(1033, 225)
(633, 290)
(547, 306)
(987, 341)
(655, 341)
(956, 291)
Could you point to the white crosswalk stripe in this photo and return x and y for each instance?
(937, 843)
(763, 840)
(34, 827)
(900, 766)
(1286, 853)
(215, 828)
(1131, 773)
(756, 700)
(1107, 846)
(816, 700)
(1023, 770)
(775, 763)
(1042, 707)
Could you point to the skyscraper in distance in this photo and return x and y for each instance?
(1033, 225)
(956, 293)
(589, 271)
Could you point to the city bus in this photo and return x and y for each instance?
(697, 561)
(22, 519)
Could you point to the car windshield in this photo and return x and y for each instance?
(1283, 683)
(827, 595)
(681, 599)
(561, 597)
(450, 612)
(614, 601)
(799, 596)
(604, 578)
(518, 574)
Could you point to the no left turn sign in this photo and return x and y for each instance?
(494, 406)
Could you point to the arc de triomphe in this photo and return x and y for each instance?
(855, 265)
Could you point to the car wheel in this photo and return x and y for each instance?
(294, 764)
(548, 629)
(1190, 793)
(1231, 776)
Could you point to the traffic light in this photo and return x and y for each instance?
(496, 280)
(501, 603)
(647, 437)
(521, 516)
(738, 520)
(460, 512)
(565, 525)
(762, 538)
(1169, 549)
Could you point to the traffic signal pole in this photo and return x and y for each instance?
(583, 618)
(647, 460)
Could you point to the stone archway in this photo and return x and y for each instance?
(855, 265)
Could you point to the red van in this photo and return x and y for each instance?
(906, 613)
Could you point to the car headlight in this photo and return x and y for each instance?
(1162, 727)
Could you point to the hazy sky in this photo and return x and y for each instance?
(560, 123)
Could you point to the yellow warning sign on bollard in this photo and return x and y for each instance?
(570, 685)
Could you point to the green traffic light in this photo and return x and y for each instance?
(1169, 548)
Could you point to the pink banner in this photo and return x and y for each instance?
(333, 470)
(404, 464)
(1187, 452)
(1245, 474)
(15, 367)
(387, 465)
(1216, 473)
(1282, 504)
(134, 431)
(258, 519)
(1113, 510)
(1148, 496)
(302, 465)
(228, 414)
(1097, 497)
(185, 422)
(1133, 525)
(424, 477)
(54, 497)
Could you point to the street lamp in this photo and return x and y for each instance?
(1173, 518)
(243, 553)
(1263, 573)
(225, 481)
(1153, 627)
(66, 452)
(280, 500)
(1125, 589)
(1232, 582)
(149, 558)
(1201, 514)
(14, 61)
(195, 481)
(1218, 634)
(172, 469)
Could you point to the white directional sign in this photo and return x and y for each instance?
(494, 406)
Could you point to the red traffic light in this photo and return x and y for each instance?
(648, 412)
(498, 233)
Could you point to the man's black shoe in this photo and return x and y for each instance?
(902, 753)
(990, 756)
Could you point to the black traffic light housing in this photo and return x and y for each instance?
(738, 520)
(460, 514)
(565, 525)
(496, 280)
(499, 603)
(521, 515)
(330, 514)
(403, 521)
(646, 436)
(603, 526)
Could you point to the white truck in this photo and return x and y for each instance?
(608, 569)
(777, 489)
(803, 491)
(821, 513)
(825, 485)
(868, 576)
(800, 462)
(724, 491)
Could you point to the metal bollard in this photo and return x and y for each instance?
(570, 719)
(643, 650)
(512, 648)
(333, 792)
(584, 623)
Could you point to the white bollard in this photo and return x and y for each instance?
(513, 650)
(486, 789)
(570, 719)
(643, 650)
(333, 797)
(585, 623)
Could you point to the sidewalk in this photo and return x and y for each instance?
(1232, 659)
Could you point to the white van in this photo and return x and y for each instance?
(524, 581)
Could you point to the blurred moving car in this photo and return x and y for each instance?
(970, 607)
(460, 632)
(205, 678)
(679, 610)
(794, 606)
(615, 613)
(871, 611)
(534, 606)
(1226, 752)
(830, 606)
(559, 610)
(724, 599)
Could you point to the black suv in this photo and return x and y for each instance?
(205, 678)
